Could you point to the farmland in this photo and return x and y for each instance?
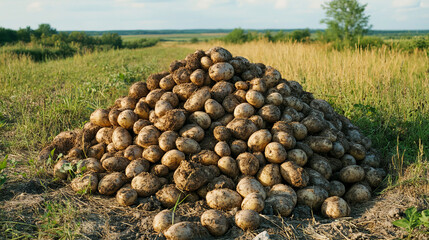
(383, 91)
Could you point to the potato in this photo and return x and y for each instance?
(113, 116)
(215, 222)
(293, 102)
(352, 174)
(269, 175)
(259, 140)
(197, 77)
(255, 98)
(169, 195)
(249, 185)
(312, 196)
(243, 110)
(152, 117)
(299, 130)
(173, 120)
(154, 79)
(281, 204)
(192, 131)
(371, 160)
(223, 199)
(230, 103)
(161, 107)
(219, 54)
(190, 176)
(172, 159)
(336, 188)
(115, 164)
(284, 190)
(222, 149)
(148, 136)
(221, 133)
(270, 113)
(294, 174)
(104, 135)
(100, 117)
(139, 124)
(253, 201)
(297, 156)
(60, 169)
(111, 183)
(335, 207)
(182, 75)
(164, 219)
(314, 123)
(127, 103)
(319, 144)
(136, 167)
(241, 128)
(220, 90)
(348, 160)
(247, 163)
(321, 165)
(133, 152)
(221, 71)
(247, 219)
(358, 193)
(85, 184)
(138, 90)
(258, 121)
(167, 83)
(317, 179)
(96, 151)
(303, 146)
(240, 95)
(187, 145)
(241, 85)
(197, 100)
(206, 157)
(167, 140)
(126, 196)
(211, 172)
(170, 97)
(274, 98)
(374, 177)
(159, 170)
(337, 150)
(88, 165)
(200, 118)
(142, 109)
(357, 151)
(145, 184)
(227, 118)
(238, 146)
(285, 139)
(153, 97)
(153, 153)
(258, 84)
(275, 153)
(182, 231)
(214, 109)
(228, 166)
(121, 138)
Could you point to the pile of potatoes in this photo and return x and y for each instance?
(218, 128)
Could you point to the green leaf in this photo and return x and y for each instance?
(403, 223)
(424, 219)
(410, 212)
(3, 163)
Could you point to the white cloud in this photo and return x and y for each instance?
(405, 3)
(281, 4)
(130, 3)
(34, 7)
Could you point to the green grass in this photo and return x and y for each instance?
(185, 37)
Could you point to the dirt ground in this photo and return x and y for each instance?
(40, 207)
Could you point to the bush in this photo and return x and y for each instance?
(238, 35)
(140, 43)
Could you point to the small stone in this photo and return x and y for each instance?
(394, 212)
(262, 236)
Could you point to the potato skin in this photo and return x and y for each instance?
(126, 196)
(214, 109)
(192, 131)
(269, 175)
(247, 219)
(241, 128)
(111, 183)
(115, 164)
(259, 140)
(181, 231)
(173, 120)
(167, 140)
(168, 195)
(223, 199)
(249, 185)
(358, 193)
(121, 138)
(281, 204)
(215, 222)
(275, 153)
(221, 71)
(187, 145)
(228, 166)
(335, 207)
(145, 184)
(294, 174)
(163, 220)
(352, 174)
(100, 117)
(153, 153)
(298, 156)
(127, 118)
(136, 167)
(85, 184)
(197, 100)
(312, 196)
(247, 163)
(253, 201)
(282, 189)
(190, 176)
(148, 136)
(200, 118)
(206, 157)
(104, 135)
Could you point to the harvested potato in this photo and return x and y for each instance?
(259, 140)
(187, 145)
(200, 118)
(148, 136)
(170, 97)
(228, 166)
(275, 153)
(274, 98)
(221, 133)
(192, 131)
(221, 71)
(121, 138)
(247, 163)
(172, 159)
(219, 54)
(185, 90)
(197, 77)
(297, 156)
(223, 199)
(281, 204)
(241, 85)
(336, 188)
(312, 196)
(169, 195)
(197, 100)
(238, 146)
(167, 83)
(104, 135)
(227, 118)
(247, 219)
(317, 179)
(261, 158)
(294, 174)
(182, 231)
(138, 90)
(335, 207)
(241, 128)
(167, 140)
(206, 157)
(299, 130)
(159, 170)
(206, 62)
(142, 109)
(270, 113)
(269, 175)
(255, 98)
(243, 110)
(352, 174)
(145, 184)
(126, 196)
(285, 190)
(357, 151)
(113, 116)
(222, 149)
(319, 144)
(221, 182)
(321, 164)
(285, 139)
(136, 167)
(173, 120)
(258, 121)
(314, 123)
(249, 185)
(215, 222)
(60, 169)
(100, 117)
(162, 107)
(374, 176)
(133, 152)
(115, 164)
(153, 153)
(337, 150)
(141, 123)
(253, 201)
(182, 75)
(111, 183)
(214, 109)
(347, 160)
(230, 103)
(371, 160)
(96, 151)
(164, 219)
(258, 84)
(85, 184)
(153, 97)
(221, 90)
(190, 176)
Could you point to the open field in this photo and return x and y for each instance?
(384, 92)
(184, 37)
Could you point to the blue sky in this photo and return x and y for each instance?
(189, 14)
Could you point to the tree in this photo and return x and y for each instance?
(112, 39)
(45, 30)
(346, 19)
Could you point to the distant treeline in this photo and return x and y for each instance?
(46, 42)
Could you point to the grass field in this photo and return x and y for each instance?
(384, 92)
(175, 37)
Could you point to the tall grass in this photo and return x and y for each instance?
(384, 91)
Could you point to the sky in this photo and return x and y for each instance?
(202, 14)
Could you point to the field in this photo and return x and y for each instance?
(385, 92)
(184, 37)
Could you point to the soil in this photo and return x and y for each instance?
(23, 206)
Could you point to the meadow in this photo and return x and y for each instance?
(383, 91)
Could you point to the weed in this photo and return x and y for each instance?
(3, 165)
(413, 220)
(178, 202)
